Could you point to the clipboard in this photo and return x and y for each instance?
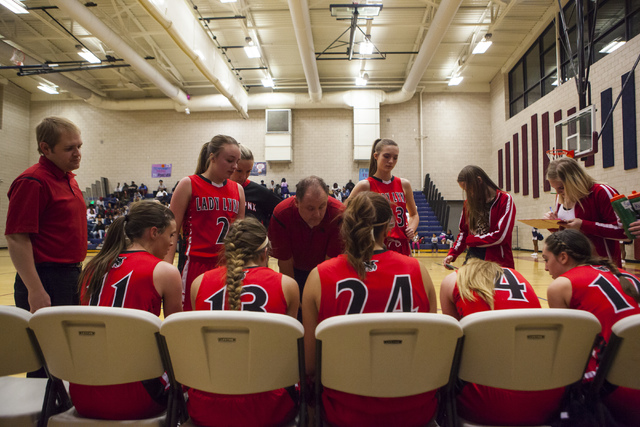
(543, 224)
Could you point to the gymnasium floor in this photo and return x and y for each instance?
(530, 268)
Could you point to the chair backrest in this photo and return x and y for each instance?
(625, 370)
(527, 349)
(17, 353)
(99, 345)
(233, 352)
(387, 354)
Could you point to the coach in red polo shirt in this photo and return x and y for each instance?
(47, 222)
(305, 229)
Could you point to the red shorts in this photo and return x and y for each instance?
(345, 409)
(129, 401)
(270, 408)
(194, 267)
(496, 406)
(398, 245)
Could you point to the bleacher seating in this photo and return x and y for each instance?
(429, 224)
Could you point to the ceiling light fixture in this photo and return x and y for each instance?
(455, 81)
(53, 90)
(613, 45)
(251, 49)
(363, 11)
(483, 45)
(366, 47)
(14, 6)
(228, 1)
(87, 55)
(268, 82)
(362, 80)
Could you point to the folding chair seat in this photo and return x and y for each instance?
(21, 398)
(99, 346)
(526, 350)
(384, 355)
(236, 352)
(620, 366)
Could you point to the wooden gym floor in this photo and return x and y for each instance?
(531, 268)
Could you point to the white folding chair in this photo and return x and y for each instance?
(620, 364)
(21, 399)
(265, 349)
(526, 349)
(384, 354)
(99, 346)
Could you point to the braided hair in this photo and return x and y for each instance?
(579, 248)
(246, 239)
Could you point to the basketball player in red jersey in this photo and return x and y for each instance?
(205, 205)
(586, 282)
(367, 278)
(129, 272)
(384, 156)
(244, 283)
(480, 286)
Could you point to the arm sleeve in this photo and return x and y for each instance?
(608, 224)
(26, 201)
(506, 211)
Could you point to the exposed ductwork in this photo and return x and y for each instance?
(88, 20)
(299, 10)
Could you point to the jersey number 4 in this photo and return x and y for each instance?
(400, 297)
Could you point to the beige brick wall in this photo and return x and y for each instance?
(15, 144)
(605, 73)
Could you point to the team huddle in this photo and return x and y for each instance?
(336, 259)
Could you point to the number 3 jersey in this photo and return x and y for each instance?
(129, 284)
(211, 210)
(393, 283)
(261, 291)
(394, 192)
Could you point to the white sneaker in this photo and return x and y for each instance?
(534, 255)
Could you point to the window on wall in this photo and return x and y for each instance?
(615, 21)
(535, 74)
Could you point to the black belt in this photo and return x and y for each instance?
(59, 265)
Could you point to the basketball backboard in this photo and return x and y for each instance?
(576, 132)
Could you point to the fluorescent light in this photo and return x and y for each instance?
(615, 44)
(14, 6)
(362, 80)
(228, 1)
(49, 89)
(88, 56)
(268, 82)
(482, 46)
(366, 47)
(455, 81)
(252, 51)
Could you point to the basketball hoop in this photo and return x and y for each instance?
(557, 153)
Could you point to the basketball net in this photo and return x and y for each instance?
(557, 153)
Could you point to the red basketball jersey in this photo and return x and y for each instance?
(495, 406)
(393, 283)
(129, 284)
(513, 291)
(394, 192)
(261, 291)
(211, 211)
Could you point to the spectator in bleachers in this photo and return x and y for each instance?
(434, 243)
(584, 281)
(131, 255)
(161, 186)
(372, 270)
(481, 286)
(143, 190)
(337, 193)
(98, 229)
(91, 213)
(284, 189)
(487, 220)
(118, 191)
